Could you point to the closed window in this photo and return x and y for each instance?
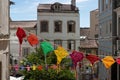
(71, 44)
(44, 26)
(25, 51)
(58, 26)
(57, 43)
(71, 26)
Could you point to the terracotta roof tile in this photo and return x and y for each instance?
(88, 44)
(85, 32)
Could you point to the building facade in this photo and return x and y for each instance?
(94, 29)
(105, 34)
(60, 24)
(4, 39)
(107, 37)
(117, 10)
(29, 27)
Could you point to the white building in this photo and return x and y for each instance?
(105, 35)
(60, 24)
(29, 27)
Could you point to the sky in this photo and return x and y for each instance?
(27, 9)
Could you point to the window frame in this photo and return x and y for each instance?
(71, 25)
(59, 28)
(57, 6)
(42, 29)
(88, 51)
(25, 51)
(70, 45)
(103, 5)
(106, 4)
(57, 42)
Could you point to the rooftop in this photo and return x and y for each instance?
(84, 32)
(51, 7)
(23, 24)
(88, 44)
(84, 41)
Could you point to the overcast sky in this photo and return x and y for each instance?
(27, 9)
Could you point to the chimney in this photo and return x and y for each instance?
(73, 3)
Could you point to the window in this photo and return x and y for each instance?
(110, 3)
(56, 6)
(25, 51)
(110, 27)
(44, 26)
(96, 27)
(71, 26)
(71, 44)
(58, 26)
(96, 35)
(106, 2)
(57, 42)
(88, 50)
(102, 5)
(15, 61)
(99, 6)
(106, 27)
(100, 28)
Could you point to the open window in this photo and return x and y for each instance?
(71, 44)
(71, 26)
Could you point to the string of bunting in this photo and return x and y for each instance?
(33, 67)
(61, 53)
